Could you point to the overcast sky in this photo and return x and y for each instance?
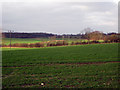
(59, 17)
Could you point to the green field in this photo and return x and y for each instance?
(81, 66)
(6, 41)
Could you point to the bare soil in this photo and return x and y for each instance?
(82, 63)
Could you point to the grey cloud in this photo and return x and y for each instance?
(62, 17)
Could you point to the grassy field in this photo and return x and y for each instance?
(24, 40)
(81, 66)
(6, 41)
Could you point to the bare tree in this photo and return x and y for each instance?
(89, 34)
(95, 35)
(86, 33)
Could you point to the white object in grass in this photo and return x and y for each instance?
(42, 83)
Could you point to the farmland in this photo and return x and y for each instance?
(24, 40)
(77, 66)
(45, 42)
(31, 40)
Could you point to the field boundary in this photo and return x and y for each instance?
(82, 63)
(59, 46)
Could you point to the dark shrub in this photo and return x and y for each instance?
(65, 43)
(19, 45)
(94, 41)
(48, 44)
(107, 41)
(117, 40)
(16, 45)
(24, 45)
(31, 45)
(39, 44)
(78, 42)
(90, 42)
(59, 43)
(84, 42)
(51, 43)
(72, 43)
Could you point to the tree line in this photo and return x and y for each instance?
(89, 35)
